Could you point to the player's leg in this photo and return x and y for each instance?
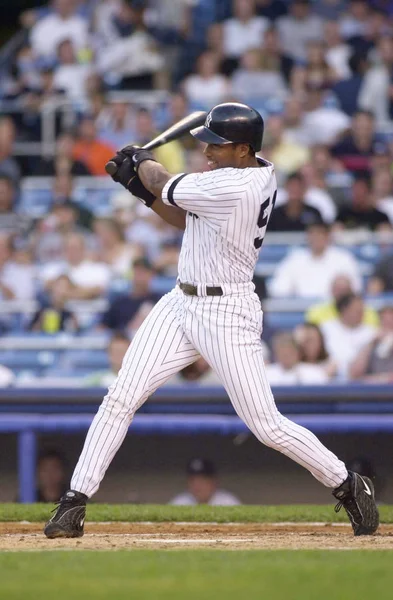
(158, 350)
(229, 339)
(227, 334)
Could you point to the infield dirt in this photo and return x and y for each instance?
(236, 536)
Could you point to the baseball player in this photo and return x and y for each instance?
(212, 312)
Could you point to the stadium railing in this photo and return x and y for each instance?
(186, 410)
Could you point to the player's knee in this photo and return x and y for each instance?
(272, 435)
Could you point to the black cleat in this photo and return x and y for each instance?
(357, 496)
(69, 518)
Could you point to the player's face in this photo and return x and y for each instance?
(220, 156)
(202, 487)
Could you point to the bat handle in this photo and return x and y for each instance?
(111, 167)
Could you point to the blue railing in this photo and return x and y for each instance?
(186, 411)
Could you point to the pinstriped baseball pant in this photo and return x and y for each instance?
(226, 331)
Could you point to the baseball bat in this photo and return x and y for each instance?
(172, 133)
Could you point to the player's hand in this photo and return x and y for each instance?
(127, 177)
(137, 155)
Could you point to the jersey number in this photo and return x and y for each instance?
(263, 219)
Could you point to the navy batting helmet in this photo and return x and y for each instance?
(230, 123)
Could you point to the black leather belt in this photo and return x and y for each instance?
(192, 290)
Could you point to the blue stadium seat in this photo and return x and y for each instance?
(283, 320)
(35, 202)
(28, 359)
(78, 360)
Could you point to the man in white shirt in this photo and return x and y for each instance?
(288, 369)
(70, 75)
(298, 28)
(90, 279)
(17, 280)
(202, 486)
(309, 272)
(244, 31)
(375, 93)
(347, 334)
(61, 24)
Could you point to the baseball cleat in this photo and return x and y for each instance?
(357, 497)
(69, 518)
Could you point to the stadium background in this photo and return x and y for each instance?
(320, 74)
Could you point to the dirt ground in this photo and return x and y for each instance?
(236, 536)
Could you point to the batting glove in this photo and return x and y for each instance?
(127, 177)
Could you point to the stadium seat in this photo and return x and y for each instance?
(84, 360)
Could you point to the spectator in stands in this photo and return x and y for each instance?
(309, 272)
(322, 121)
(63, 162)
(315, 72)
(338, 52)
(51, 476)
(112, 247)
(62, 23)
(203, 486)
(376, 91)
(170, 155)
(271, 9)
(242, 32)
(345, 335)
(287, 155)
(126, 312)
(7, 198)
(341, 286)
(90, 279)
(10, 221)
(355, 22)
(298, 28)
(317, 194)
(53, 316)
(198, 373)
(167, 261)
(274, 58)
(362, 213)
(133, 60)
(382, 278)
(117, 127)
(347, 89)
(117, 348)
(295, 214)
(8, 165)
(206, 86)
(382, 190)
(293, 121)
(374, 362)
(89, 149)
(17, 280)
(312, 347)
(7, 378)
(259, 78)
(355, 149)
(70, 74)
(288, 368)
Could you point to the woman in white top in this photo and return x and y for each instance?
(312, 347)
(113, 249)
(207, 86)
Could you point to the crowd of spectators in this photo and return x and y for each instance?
(321, 75)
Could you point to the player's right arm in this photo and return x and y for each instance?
(175, 217)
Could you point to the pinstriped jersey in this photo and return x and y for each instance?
(228, 211)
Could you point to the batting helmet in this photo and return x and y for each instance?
(230, 123)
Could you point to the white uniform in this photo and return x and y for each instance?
(227, 214)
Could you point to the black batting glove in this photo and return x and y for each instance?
(137, 155)
(127, 177)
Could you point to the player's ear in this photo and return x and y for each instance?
(243, 150)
